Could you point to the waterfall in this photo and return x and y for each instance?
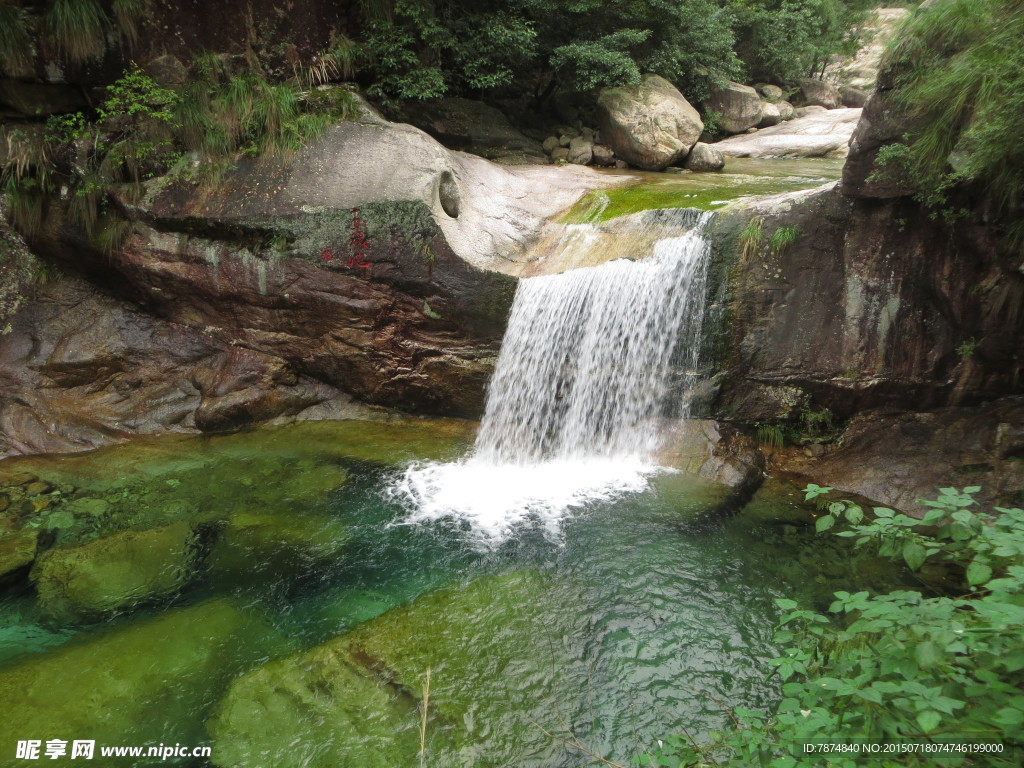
(581, 386)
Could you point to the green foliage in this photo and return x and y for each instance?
(422, 49)
(220, 114)
(960, 76)
(904, 666)
(782, 238)
(771, 435)
(782, 40)
(605, 61)
(967, 348)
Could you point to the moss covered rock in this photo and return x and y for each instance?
(17, 551)
(140, 684)
(116, 573)
(259, 549)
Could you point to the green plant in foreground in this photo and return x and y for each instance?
(967, 348)
(903, 667)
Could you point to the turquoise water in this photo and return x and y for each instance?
(646, 615)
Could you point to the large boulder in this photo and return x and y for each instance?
(704, 157)
(818, 93)
(650, 125)
(853, 97)
(770, 115)
(738, 107)
(116, 573)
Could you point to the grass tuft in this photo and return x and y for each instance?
(77, 29)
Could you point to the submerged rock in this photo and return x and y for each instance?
(354, 701)
(256, 550)
(142, 683)
(17, 553)
(116, 573)
(650, 125)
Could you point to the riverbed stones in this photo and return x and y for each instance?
(770, 115)
(738, 107)
(581, 151)
(770, 92)
(354, 701)
(146, 681)
(116, 573)
(651, 125)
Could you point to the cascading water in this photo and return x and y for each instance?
(580, 388)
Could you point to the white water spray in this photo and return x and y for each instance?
(580, 388)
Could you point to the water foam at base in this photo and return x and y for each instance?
(495, 499)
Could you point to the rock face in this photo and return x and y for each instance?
(873, 305)
(705, 157)
(367, 266)
(822, 133)
(862, 70)
(650, 125)
(738, 106)
(898, 459)
(115, 573)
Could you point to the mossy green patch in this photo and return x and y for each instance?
(156, 481)
(707, 191)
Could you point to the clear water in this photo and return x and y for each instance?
(643, 617)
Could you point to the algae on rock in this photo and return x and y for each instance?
(355, 700)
